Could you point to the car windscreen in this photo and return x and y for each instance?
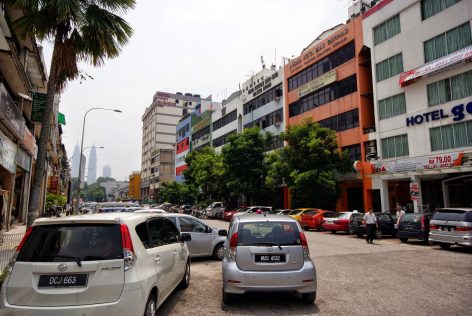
(343, 216)
(69, 243)
(268, 233)
(411, 217)
(453, 215)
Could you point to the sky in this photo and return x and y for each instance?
(198, 46)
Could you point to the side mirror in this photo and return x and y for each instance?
(208, 230)
(185, 237)
(223, 232)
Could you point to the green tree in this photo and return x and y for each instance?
(243, 158)
(205, 173)
(81, 30)
(176, 193)
(308, 165)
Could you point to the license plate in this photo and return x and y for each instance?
(62, 280)
(408, 228)
(270, 258)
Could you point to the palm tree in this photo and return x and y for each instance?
(81, 30)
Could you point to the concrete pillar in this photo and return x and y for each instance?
(418, 205)
(384, 200)
(445, 189)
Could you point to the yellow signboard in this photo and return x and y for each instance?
(318, 83)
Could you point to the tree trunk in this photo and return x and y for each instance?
(33, 208)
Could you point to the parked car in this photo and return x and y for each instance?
(385, 221)
(338, 223)
(97, 264)
(267, 254)
(255, 210)
(297, 213)
(213, 208)
(206, 241)
(282, 211)
(219, 213)
(151, 210)
(414, 226)
(186, 209)
(451, 226)
(314, 219)
(228, 214)
(99, 207)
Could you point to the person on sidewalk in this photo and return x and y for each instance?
(400, 213)
(370, 220)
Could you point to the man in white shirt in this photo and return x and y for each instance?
(400, 213)
(370, 221)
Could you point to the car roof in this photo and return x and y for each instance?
(463, 209)
(114, 217)
(264, 218)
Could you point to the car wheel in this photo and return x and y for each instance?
(360, 235)
(150, 309)
(403, 239)
(186, 278)
(378, 234)
(321, 229)
(333, 231)
(219, 252)
(228, 298)
(445, 246)
(309, 298)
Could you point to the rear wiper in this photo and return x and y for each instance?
(77, 259)
(268, 243)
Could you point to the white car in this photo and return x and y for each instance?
(97, 264)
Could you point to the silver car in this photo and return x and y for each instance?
(267, 253)
(206, 241)
(451, 226)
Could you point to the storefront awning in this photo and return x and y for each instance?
(435, 66)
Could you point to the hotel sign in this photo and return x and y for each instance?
(458, 113)
(318, 83)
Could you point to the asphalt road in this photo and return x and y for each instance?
(354, 278)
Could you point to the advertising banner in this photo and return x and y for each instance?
(10, 114)
(7, 153)
(423, 163)
(318, 83)
(414, 191)
(53, 184)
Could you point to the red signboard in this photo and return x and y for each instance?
(53, 184)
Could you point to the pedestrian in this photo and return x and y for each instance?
(370, 221)
(400, 213)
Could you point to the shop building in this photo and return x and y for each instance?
(183, 136)
(422, 72)
(159, 140)
(330, 82)
(227, 121)
(134, 186)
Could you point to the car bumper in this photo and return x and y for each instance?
(269, 281)
(131, 302)
(412, 234)
(463, 240)
(358, 230)
(310, 225)
(335, 227)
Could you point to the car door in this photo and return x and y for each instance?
(386, 224)
(172, 240)
(202, 236)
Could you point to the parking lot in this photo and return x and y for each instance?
(354, 278)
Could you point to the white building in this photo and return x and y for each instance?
(263, 104)
(422, 87)
(227, 120)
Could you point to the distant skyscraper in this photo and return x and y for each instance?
(92, 166)
(107, 171)
(75, 162)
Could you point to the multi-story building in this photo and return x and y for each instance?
(134, 190)
(227, 120)
(201, 130)
(183, 138)
(106, 171)
(330, 82)
(263, 103)
(422, 73)
(92, 166)
(158, 144)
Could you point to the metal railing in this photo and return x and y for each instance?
(8, 244)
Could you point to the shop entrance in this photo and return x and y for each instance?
(460, 191)
(399, 192)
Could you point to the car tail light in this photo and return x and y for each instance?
(306, 251)
(12, 261)
(233, 244)
(431, 227)
(128, 250)
(463, 228)
(422, 222)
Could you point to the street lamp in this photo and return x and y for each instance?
(81, 151)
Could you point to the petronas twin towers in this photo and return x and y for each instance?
(91, 167)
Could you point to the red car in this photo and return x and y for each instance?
(314, 219)
(339, 223)
(228, 214)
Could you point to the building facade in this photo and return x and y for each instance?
(134, 190)
(92, 166)
(107, 171)
(227, 120)
(422, 72)
(183, 139)
(158, 143)
(330, 82)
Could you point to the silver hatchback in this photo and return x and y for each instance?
(267, 253)
(451, 226)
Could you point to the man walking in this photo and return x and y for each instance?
(400, 213)
(370, 220)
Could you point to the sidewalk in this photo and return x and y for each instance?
(16, 229)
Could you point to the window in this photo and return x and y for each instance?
(354, 152)
(395, 146)
(263, 99)
(267, 120)
(342, 122)
(190, 225)
(433, 7)
(392, 106)
(162, 232)
(389, 67)
(225, 120)
(449, 89)
(220, 141)
(201, 133)
(451, 136)
(332, 61)
(448, 42)
(325, 95)
(387, 30)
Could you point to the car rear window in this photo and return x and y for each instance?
(330, 215)
(311, 213)
(453, 215)
(411, 217)
(267, 233)
(67, 243)
(343, 215)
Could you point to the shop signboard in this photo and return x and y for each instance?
(23, 160)
(414, 191)
(7, 153)
(53, 184)
(447, 160)
(39, 103)
(29, 143)
(318, 83)
(10, 114)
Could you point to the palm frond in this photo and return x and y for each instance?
(35, 24)
(66, 63)
(116, 5)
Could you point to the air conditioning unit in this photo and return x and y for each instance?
(370, 143)
(371, 151)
